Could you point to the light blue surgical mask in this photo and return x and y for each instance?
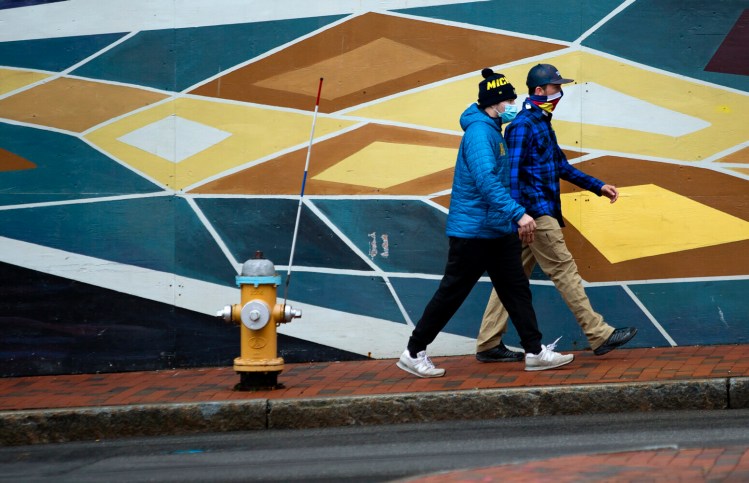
(511, 110)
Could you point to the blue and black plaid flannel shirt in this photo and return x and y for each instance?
(537, 163)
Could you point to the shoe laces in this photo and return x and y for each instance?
(553, 345)
(425, 360)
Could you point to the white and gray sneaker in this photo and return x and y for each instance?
(547, 358)
(421, 366)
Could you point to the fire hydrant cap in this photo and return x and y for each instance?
(258, 267)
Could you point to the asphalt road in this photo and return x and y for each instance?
(374, 453)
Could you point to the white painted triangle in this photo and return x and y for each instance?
(592, 103)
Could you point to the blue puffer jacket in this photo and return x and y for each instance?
(480, 204)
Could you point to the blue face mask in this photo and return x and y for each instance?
(511, 110)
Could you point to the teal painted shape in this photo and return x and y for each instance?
(416, 240)
(159, 233)
(563, 19)
(66, 168)
(362, 295)
(180, 58)
(53, 54)
(674, 35)
(700, 313)
(267, 225)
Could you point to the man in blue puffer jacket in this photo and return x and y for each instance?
(485, 227)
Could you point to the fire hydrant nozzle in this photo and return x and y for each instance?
(258, 314)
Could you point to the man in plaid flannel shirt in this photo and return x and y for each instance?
(537, 163)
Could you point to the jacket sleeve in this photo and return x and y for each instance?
(482, 152)
(569, 173)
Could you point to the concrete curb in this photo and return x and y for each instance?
(80, 424)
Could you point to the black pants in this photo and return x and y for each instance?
(467, 261)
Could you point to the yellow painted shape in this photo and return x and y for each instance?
(256, 133)
(11, 80)
(441, 106)
(382, 165)
(382, 59)
(648, 220)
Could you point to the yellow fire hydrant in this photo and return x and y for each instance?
(258, 365)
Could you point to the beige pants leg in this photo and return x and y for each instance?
(550, 252)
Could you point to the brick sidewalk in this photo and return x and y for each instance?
(369, 377)
(126, 399)
(729, 464)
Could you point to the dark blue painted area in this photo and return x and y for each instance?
(180, 58)
(160, 233)
(617, 308)
(699, 313)
(553, 315)
(415, 232)
(563, 19)
(79, 328)
(415, 293)
(53, 54)
(684, 44)
(197, 255)
(24, 3)
(249, 225)
(67, 168)
(368, 296)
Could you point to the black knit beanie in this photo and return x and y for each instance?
(494, 89)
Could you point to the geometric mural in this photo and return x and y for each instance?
(144, 158)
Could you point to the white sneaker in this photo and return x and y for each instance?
(422, 366)
(547, 358)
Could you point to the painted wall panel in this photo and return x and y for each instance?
(145, 156)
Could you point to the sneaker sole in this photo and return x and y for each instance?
(410, 371)
(543, 368)
(503, 359)
(600, 351)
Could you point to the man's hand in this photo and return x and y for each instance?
(527, 227)
(610, 192)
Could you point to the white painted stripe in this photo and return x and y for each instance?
(437, 206)
(313, 197)
(81, 201)
(377, 338)
(37, 126)
(603, 21)
(109, 47)
(724, 278)
(650, 316)
(726, 152)
(214, 234)
(90, 17)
